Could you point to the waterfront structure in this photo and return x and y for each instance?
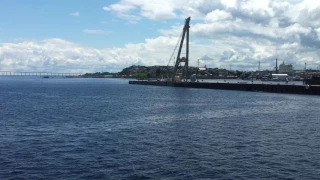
(280, 77)
(285, 69)
(181, 72)
(261, 73)
(265, 87)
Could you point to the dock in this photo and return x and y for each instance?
(181, 72)
(271, 88)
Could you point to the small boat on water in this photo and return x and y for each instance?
(45, 76)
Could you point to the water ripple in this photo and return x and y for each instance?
(107, 129)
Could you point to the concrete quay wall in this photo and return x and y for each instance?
(272, 88)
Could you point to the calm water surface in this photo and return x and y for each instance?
(108, 129)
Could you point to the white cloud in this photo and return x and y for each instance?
(122, 11)
(217, 15)
(57, 55)
(120, 8)
(158, 10)
(237, 32)
(307, 13)
(166, 9)
(229, 3)
(75, 14)
(297, 11)
(260, 9)
(318, 32)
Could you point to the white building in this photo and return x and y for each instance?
(285, 69)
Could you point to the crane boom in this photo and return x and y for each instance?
(185, 60)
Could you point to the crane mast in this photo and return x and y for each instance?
(182, 62)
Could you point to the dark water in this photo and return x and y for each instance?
(107, 129)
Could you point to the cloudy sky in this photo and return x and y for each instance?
(108, 35)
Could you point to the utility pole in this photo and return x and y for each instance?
(276, 66)
(305, 66)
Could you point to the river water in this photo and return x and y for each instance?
(64, 128)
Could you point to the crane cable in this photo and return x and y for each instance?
(173, 53)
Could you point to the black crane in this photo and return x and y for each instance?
(182, 63)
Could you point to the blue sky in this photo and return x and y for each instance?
(87, 36)
(38, 19)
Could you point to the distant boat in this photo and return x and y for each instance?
(45, 76)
